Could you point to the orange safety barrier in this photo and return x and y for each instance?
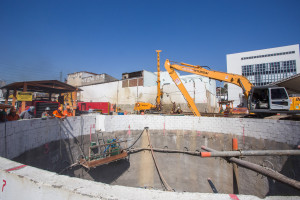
(234, 144)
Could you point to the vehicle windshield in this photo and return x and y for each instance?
(278, 93)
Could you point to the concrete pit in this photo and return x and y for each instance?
(183, 172)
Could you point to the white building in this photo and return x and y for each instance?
(141, 86)
(262, 67)
(82, 78)
(2, 83)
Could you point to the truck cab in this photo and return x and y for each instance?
(266, 98)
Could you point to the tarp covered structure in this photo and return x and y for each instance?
(45, 86)
(48, 86)
(292, 84)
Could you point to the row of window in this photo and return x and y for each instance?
(265, 73)
(274, 67)
(260, 80)
(267, 55)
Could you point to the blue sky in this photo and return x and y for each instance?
(39, 39)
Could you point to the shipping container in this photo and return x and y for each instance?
(102, 107)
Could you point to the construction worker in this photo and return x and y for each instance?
(47, 114)
(12, 116)
(68, 112)
(59, 113)
(226, 111)
(3, 115)
(28, 114)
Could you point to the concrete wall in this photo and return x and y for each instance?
(277, 130)
(99, 78)
(32, 183)
(16, 137)
(75, 79)
(149, 79)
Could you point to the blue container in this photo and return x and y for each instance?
(120, 113)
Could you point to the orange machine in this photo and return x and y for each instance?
(148, 107)
(264, 100)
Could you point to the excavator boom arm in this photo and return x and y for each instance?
(238, 80)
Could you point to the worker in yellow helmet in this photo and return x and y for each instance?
(68, 112)
(59, 113)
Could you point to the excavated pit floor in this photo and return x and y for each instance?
(184, 173)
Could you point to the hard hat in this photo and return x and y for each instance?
(31, 108)
(60, 108)
(47, 108)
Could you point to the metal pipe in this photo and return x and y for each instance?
(250, 153)
(262, 170)
(164, 151)
(235, 171)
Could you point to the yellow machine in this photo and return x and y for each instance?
(295, 103)
(262, 100)
(144, 107)
(148, 107)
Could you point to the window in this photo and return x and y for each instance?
(264, 73)
(268, 55)
(278, 93)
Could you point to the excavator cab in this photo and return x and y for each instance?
(268, 98)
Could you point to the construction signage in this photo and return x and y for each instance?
(24, 96)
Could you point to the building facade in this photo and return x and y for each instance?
(139, 78)
(262, 67)
(78, 79)
(141, 86)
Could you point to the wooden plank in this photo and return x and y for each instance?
(95, 163)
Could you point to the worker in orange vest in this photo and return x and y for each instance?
(68, 112)
(59, 113)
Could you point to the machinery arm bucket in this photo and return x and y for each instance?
(178, 82)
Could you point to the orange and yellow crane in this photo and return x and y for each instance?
(149, 107)
(263, 100)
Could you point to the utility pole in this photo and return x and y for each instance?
(158, 81)
(60, 76)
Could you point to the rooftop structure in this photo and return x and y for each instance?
(83, 78)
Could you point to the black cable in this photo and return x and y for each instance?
(135, 140)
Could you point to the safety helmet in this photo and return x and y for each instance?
(31, 109)
(60, 108)
(47, 108)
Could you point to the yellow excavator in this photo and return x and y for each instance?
(149, 107)
(263, 100)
